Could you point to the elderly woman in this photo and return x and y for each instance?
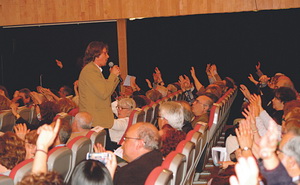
(170, 122)
(125, 107)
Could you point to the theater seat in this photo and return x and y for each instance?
(20, 170)
(97, 137)
(159, 176)
(80, 146)
(187, 148)
(7, 121)
(175, 163)
(60, 160)
(5, 180)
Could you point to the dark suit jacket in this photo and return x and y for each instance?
(136, 172)
(95, 94)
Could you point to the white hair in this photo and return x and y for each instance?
(173, 112)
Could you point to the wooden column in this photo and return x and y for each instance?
(122, 47)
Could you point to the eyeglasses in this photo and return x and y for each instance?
(135, 138)
(121, 108)
(197, 101)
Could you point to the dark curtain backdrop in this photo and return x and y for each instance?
(233, 41)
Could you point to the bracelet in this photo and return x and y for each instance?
(254, 131)
(42, 151)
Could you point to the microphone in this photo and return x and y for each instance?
(111, 64)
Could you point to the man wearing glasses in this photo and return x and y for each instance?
(140, 150)
(200, 108)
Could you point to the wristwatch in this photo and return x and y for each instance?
(246, 148)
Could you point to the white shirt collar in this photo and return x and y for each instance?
(98, 67)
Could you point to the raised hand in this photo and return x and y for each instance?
(21, 130)
(257, 67)
(255, 100)
(207, 70)
(59, 63)
(98, 148)
(244, 134)
(149, 83)
(111, 164)
(193, 73)
(268, 142)
(245, 91)
(251, 78)
(246, 172)
(47, 135)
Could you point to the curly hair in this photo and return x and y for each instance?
(170, 139)
(49, 110)
(66, 105)
(31, 137)
(12, 150)
(49, 178)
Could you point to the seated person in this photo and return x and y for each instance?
(141, 100)
(188, 116)
(282, 95)
(140, 150)
(153, 95)
(48, 111)
(93, 172)
(64, 133)
(12, 152)
(124, 108)
(170, 122)
(68, 106)
(81, 125)
(201, 107)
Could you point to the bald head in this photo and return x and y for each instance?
(83, 120)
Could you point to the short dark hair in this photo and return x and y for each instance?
(91, 172)
(67, 90)
(285, 94)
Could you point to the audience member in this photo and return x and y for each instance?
(12, 152)
(170, 122)
(153, 95)
(64, 133)
(91, 172)
(125, 107)
(68, 106)
(65, 92)
(81, 125)
(201, 108)
(140, 150)
(281, 96)
(188, 116)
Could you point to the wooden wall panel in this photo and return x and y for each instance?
(22, 12)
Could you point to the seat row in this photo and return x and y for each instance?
(179, 167)
(62, 159)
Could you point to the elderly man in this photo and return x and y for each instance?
(81, 125)
(140, 150)
(200, 108)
